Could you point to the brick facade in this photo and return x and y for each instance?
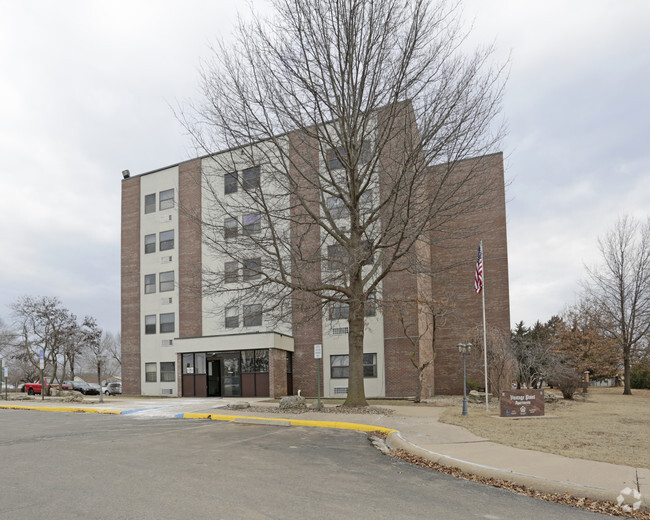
(130, 259)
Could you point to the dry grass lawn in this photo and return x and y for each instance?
(607, 426)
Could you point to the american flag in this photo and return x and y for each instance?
(478, 275)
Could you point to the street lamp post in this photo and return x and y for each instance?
(464, 349)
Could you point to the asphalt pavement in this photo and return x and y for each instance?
(414, 429)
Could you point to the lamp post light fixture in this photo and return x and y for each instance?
(464, 349)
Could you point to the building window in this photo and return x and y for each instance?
(251, 178)
(252, 315)
(339, 311)
(167, 322)
(150, 372)
(337, 208)
(337, 256)
(230, 183)
(232, 317)
(150, 243)
(253, 361)
(231, 272)
(150, 324)
(149, 283)
(252, 268)
(230, 226)
(167, 199)
(365, 200)
(167, 240)
(252, 223)
(166, 281)
(167, 372)
(150, 203)
(333, 162)
(339, 366)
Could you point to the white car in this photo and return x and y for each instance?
(113, 388)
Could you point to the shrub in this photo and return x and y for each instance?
(566, 379)
(640, 375)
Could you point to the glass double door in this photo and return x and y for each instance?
(224, 375)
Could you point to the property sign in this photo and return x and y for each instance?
(318, 351)
(522, 403)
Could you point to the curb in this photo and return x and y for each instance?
(61, 409)
(288, 422)
(396, 441)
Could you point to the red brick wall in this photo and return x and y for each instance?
(455, 262)
(130, 259)
(305, 242)
(189, 249)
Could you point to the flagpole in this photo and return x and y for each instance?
(487, 408)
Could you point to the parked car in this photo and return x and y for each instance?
(83, 387)
(113, 388)
(36, 387)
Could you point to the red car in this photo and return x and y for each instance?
(35, 388)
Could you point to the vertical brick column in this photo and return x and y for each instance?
(189, 250)
(306, 263)
(484, 220)
(277, 373)
(130, 286)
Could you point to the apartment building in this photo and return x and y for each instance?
(179, 338)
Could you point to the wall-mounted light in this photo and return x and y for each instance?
(126, 174)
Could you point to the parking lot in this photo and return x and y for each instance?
(74, 466)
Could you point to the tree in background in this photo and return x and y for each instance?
(582, 344)
(619, 289)
(43, 323)
(533, 351)
(363, 90)
(501, 358)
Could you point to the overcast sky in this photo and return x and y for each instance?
(86, 89)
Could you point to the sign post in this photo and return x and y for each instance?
(41, 364)
(318, 354)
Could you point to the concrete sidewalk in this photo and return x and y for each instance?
(414, 429)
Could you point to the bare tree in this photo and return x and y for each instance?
(44, 324)
(91, 337)
(334, 113)
(620, 288)
(421, 333)
(502, 363)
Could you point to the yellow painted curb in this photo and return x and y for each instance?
(294, 422)
(60, 409)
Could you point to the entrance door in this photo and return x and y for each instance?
(214, 378)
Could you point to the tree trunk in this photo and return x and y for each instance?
(356, 322)
(627, 388)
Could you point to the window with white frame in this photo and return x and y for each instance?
(150, 324)
(340, 364)
(150, 203)
(150, 375)
(339, 311)
(251, 178)
(370, 307)
(252, 315)
(231, 272)
(149, 283)
(167, 322)
(167, 372)
(337, 256)
(252, 268)
(230, 227)
(337, 208)
(150, 243)
(167, 199)
(167, 240)
(230, 183)
(252, 223)
(232, 317)
(167, 281)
